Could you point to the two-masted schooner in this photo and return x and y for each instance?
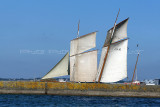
(81, 64)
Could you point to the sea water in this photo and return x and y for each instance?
(74, 101)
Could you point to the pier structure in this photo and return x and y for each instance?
(79, 89)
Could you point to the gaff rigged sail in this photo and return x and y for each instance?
(115, 67)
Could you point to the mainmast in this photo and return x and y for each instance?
(108, 47)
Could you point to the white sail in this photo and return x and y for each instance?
(85, 67)
(115, 68)
(119, 34)
(60, 69)
(83, 43)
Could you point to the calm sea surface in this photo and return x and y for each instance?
(74, 101)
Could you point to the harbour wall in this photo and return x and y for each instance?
(80, 89)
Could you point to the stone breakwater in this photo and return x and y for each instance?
(82, 89)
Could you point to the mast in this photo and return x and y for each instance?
(78, 29)
(136, 74)
(76, 58)
(108, 47)
(135, 65)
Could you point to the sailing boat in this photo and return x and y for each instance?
(83, 63)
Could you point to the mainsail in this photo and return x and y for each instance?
(115, 67)
(60, 69)
(83, 65)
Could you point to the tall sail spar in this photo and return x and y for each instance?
(83, 65)
(60, 69)
(115, 68)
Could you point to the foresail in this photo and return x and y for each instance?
(119, 34)
(115, 68)
(83, 43)
(61, 69)
(85, 67)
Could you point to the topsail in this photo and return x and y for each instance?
(83, 43)
(119, 34)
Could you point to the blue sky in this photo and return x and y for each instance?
(28, 27)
